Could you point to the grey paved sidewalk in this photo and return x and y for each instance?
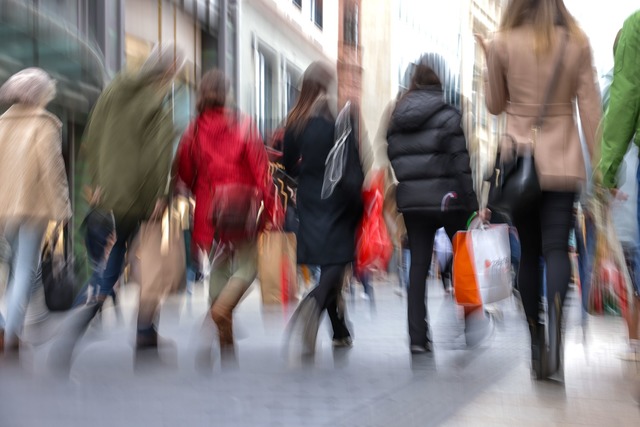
(376, 383)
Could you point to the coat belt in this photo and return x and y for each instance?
(532, 110)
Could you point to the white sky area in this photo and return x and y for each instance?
(601, 20)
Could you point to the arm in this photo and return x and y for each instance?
(589, 104)
(624, 104)
(495, 81)
(185, 164)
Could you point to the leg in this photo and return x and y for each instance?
(326, 294)
(421, 235)
(556, 221)
(244, 270)
(28, 237)
(125, 230)
(529, 275)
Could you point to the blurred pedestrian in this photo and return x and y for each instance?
(326, 233)
(520, 60)
(223, 161)
(428, 152)
(128, 144)
(621, 126)
(34, 186)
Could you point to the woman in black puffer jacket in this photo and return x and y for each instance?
(429, 156)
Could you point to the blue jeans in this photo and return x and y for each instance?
(25, 238)
(125, 231)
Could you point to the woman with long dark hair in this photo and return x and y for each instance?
(326, 234)
(520, 60)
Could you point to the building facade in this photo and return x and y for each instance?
(80, 44)
(277, 40)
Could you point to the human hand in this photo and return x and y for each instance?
(484, 215)
(619, 195)
(158, 210)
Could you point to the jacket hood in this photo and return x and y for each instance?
(416, 108)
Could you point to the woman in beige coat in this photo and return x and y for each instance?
(520, 61)
(33, 185)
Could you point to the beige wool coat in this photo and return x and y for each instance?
(516, 81)
(33, 182)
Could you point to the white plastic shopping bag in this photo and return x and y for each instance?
(492, 262)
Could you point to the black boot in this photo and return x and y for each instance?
(554, 368)
(538, 348)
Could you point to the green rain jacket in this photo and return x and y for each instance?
(622, 119)
(128, 144)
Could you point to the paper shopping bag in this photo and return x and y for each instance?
(277, 267)
(482, 265)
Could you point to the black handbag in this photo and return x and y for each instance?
(514, 184)
(57, 275)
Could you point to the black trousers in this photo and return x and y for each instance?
(421, 231)
(327, 293)
(544, 232)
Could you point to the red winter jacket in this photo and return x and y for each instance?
(219, 148)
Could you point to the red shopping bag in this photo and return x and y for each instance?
(374, 247)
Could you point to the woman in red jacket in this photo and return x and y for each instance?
(222, 158)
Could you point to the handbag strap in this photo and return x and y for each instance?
(537, 124)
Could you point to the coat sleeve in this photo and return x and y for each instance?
(185, 161)
(589, 104)
(496, 91)
(621, 119)
(52, 169)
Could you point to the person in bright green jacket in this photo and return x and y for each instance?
(622, 119)
(621, 127)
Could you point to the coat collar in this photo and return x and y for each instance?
(17, 111)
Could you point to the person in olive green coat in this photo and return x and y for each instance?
(128, 144)
(620, 128)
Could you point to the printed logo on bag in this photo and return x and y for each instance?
(497, 265)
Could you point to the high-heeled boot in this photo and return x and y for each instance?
(555, 369)
(538, 344)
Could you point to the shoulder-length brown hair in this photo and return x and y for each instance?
(213, 90)
(315, 85)
(544, 15)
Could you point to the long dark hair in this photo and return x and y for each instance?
(315, 83)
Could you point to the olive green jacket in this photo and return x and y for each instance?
(128, 144)
(622, 119)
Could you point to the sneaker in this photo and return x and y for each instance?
(342, 342)
(421, 349)
(478, 329)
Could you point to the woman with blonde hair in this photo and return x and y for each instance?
(34, 186)
(535, 39)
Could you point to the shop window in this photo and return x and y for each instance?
(316, 12)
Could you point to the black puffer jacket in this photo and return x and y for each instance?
(429, 156)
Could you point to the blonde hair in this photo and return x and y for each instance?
(543, 15)
(31, 86)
